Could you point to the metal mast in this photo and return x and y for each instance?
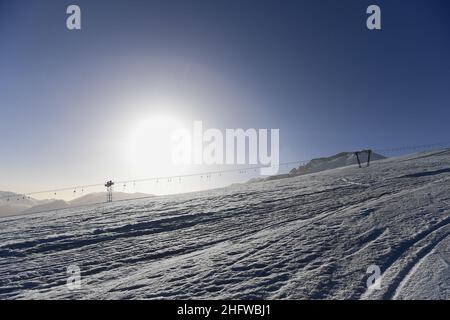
(369, 153)
(109, 190)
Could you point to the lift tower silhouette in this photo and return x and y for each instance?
(358, 153)
(109, 190)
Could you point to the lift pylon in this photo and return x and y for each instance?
(358, 153)
(109, 190)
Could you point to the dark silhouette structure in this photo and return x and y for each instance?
(109, 190)
(357, 154)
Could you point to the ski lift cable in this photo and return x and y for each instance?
(210, 173)
(157, 179)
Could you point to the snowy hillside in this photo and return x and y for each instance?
(99, 197)
(342, 159)
(309, 236)
(15, 204)
(339, 160)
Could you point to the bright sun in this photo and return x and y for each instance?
(151, 146)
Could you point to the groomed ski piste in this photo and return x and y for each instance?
(306, 237)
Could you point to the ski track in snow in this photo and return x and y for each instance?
(307, 237)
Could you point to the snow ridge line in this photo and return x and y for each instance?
(423, 148)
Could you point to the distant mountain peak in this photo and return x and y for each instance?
(338, 160)
(341, 159)
(14, 204)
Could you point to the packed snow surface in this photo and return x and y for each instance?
(311, 236)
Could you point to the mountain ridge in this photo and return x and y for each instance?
(13, 204)
(339, 160)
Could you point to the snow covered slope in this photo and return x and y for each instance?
(310, 236)
(99, 197)
(342, 159)
(13, 203)
(339, 160)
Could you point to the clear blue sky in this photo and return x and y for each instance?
(310, 68)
